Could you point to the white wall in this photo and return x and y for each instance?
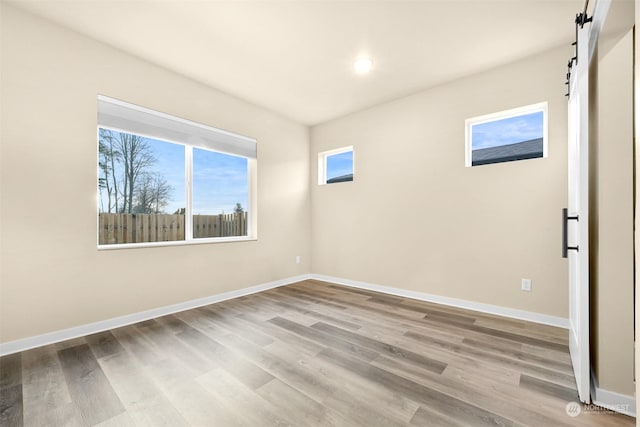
(52, 276)
(416, 218)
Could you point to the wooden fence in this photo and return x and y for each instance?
(117, 228)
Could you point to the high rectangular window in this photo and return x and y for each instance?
(335, 166)
(516, 134)
(165, 180)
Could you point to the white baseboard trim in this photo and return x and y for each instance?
(611, 400)
(103, 325)
(116, 322)
(545, 319)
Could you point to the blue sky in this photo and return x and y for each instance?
(170, 164)
(339, 164)
(219, 180)
(508, 131)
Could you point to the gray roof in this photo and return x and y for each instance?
(343, 178)
(505, 153)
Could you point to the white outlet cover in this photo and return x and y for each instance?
(526, 285)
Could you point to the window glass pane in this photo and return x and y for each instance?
(504, 140)
(220, 194)
(141, 189)
(339, 167)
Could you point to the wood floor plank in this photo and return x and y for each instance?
(203, 323)
(425, 416)
(175, 349)
(320, 316)
(70, 343)
(146, 404)
(104, 344)
(496, 397)
(318, 301)
(547, 333)
(138, 344)
(172, 323)
(547, 387)
(231, 324)
(294, 298)
(10, 370)
(90, 390)
(324, 338)
(348, 289)
(440, 312)
(122, 420)
(378, 403)
(560, 356)
(288, 368)
(417, 392)
(554, 376)
(46, 397)
(520, 355)
(397, 327)
(200, 408)
(11, 413)
(64, 415)
(246, 372)
(521, 338)
(249, 407)
(421, 308)
(380, 347)
(490, 372)
(487, 375)
(382, 307)
(171, 373)
(301, 344)
(298, 407)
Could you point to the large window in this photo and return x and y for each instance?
(164, 180)
(516, 134)
(335, 166)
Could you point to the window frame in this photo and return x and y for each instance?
(322, 164)
(252, 165)
(507, 114)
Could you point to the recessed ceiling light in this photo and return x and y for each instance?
(363, 65)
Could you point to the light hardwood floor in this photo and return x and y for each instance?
(308, 354)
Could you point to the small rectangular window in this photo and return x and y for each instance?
(335, 166)
(162, 179)
(517, 134)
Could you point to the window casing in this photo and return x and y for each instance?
(208, 177)
(336, 166)
(516, 134)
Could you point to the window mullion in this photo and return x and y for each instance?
(188, 211)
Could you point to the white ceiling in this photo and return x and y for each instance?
(295, 57)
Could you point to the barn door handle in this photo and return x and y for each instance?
(565, 232)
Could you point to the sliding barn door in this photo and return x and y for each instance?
(576, 217)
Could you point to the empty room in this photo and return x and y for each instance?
(318, 213)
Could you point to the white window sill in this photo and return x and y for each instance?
(203, 241)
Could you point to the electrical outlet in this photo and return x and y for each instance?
(526, 285)
(297, 259)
